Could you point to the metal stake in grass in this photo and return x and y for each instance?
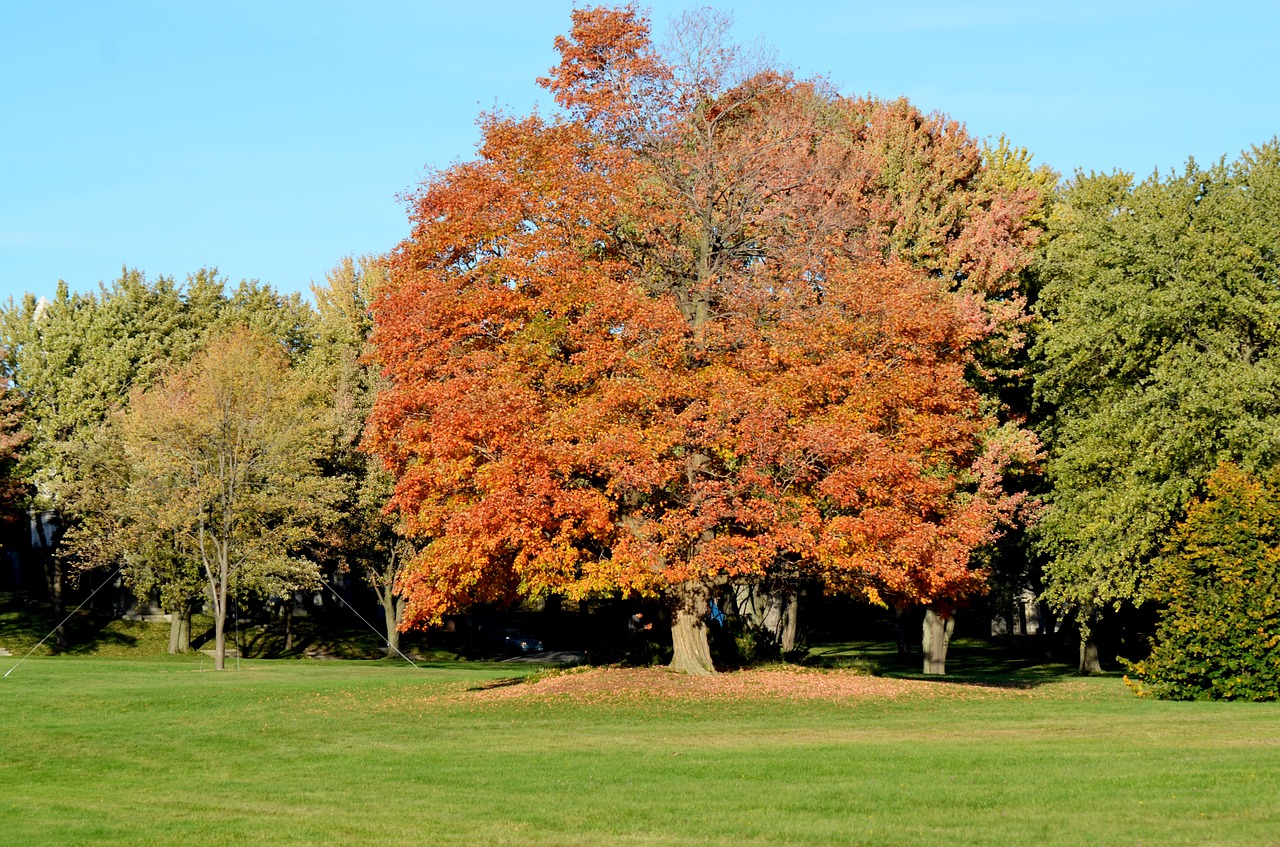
(64, 621)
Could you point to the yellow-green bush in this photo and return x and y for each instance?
(1219, 635)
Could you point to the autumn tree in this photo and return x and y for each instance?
(1156, 359)
(223, 455)
(700, 326)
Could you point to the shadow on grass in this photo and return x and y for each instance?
(499, 683)
(25, 621)
(1020, 662)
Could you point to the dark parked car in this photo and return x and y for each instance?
(514, 642)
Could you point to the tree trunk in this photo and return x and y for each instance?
(384, 587)
(53, 578)
(220, 631)
(771, 618)
(393, 626)
(900, 629)
(180, 629)
(219, 639)
(745, 595)
(1089, 656)
(56, 584)
(691, 652)
(936, 636)
(1048, 634)
(288, 622)
(790, 625)
(1088, 645)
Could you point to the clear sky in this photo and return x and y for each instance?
(271, 138)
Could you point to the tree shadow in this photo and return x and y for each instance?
(1022, 662)
(26, 620)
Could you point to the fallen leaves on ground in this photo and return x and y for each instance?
(757, 683)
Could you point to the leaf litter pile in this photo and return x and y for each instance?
(761, 683)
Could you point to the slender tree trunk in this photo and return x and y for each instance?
(691, 651)
(53, 579)
(220, 633)
(936, 636)
(745, 594)
(57, 582)
(790, 624)
(384, 587)
(1048, 635)
(389, 611)
(288, 622)
(220, 617)
(217, 587)
(1047, 624)
(900, 629)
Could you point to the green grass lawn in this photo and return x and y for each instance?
(123, 751)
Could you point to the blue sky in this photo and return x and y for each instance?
(270, 139)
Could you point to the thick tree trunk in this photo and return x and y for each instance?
(1088, 645)
(790, 624)
(936, 636)
(180, 629)
(1089, 655)
(691, 652)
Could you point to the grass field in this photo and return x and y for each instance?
(115, 751)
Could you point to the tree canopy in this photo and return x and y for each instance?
(223, 457)
(1219, 633)
(1156, 359)
(706, 322)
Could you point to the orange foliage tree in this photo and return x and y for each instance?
(707, 322)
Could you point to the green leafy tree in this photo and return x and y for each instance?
(74, 359)
(1156, 359)
(153, 562)
(367, 540)
(1219, 635)
(12, 440)
(224, 457)
(70, 360)
(286, 318)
